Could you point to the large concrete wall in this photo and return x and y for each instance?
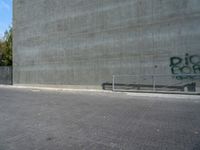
(85, 42)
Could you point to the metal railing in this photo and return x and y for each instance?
(157, 83)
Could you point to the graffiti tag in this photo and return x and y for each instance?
(190, 64)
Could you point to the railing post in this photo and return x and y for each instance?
(113, 83)
(154, 83)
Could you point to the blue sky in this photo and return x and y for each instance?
(5, 15)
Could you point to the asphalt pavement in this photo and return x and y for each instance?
(35, 119)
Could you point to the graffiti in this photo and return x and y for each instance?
(190, 64)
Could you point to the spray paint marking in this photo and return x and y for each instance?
(190, 64)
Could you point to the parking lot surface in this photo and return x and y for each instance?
(34, 119)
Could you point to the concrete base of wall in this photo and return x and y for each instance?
(85, 87)
(97, 88)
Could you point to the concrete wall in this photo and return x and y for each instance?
(6, 75)
(85, 42)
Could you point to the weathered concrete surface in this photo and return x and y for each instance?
(85, 42)
(55, 120)
(6, 75)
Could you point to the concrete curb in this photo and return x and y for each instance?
(52, 88)
(132, 94)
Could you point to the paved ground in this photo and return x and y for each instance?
(58, 120)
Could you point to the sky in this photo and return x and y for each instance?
(5, 16)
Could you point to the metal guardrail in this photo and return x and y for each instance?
(157, 83)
